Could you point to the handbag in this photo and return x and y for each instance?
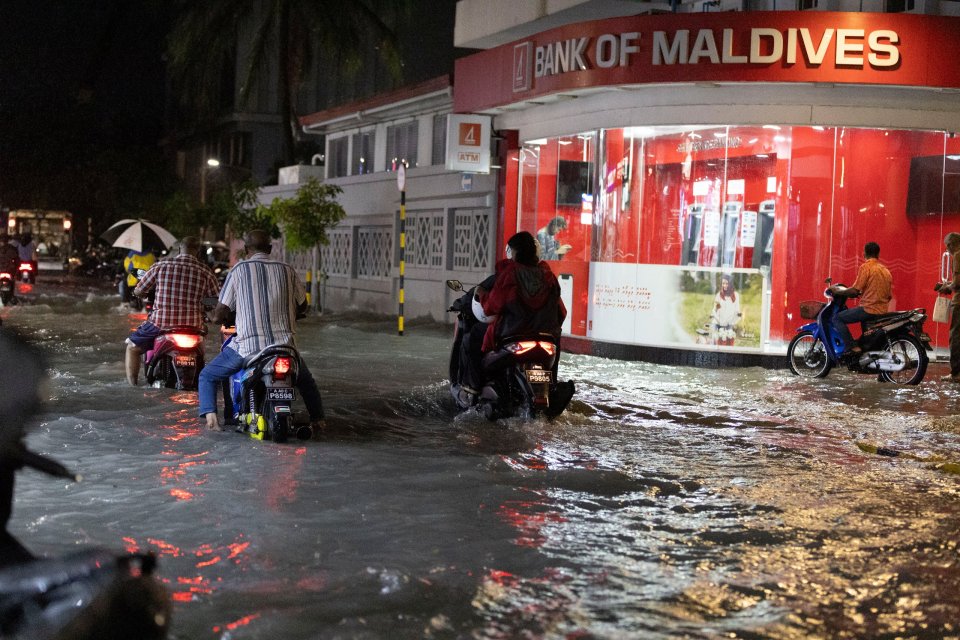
(942, 309)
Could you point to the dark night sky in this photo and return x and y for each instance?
(80, 77)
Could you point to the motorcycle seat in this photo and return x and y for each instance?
(887, 317)
(187, 330)
(272, 350)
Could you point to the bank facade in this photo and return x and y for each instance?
(764, 148)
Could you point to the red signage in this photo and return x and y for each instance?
(775, 46)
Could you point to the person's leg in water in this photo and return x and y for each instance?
(227, 362)
(310, 393)
(472, 378)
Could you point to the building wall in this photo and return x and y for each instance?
(450, 234)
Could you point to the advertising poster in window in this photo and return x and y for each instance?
(665, 305)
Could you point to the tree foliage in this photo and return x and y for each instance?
(307, 216)
(274, 39)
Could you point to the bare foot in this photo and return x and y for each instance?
(212, 421)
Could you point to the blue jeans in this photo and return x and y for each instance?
(842, 319)
(228, 362)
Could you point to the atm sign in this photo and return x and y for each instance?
(470, 134)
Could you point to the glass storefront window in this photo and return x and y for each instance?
(647, 227)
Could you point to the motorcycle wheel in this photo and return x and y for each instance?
(808, 357)
(281, 428)
(911, 350)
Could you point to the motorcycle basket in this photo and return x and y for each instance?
(809, 309)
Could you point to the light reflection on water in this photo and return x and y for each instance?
(669, 502)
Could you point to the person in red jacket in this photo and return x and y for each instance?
(525, 297)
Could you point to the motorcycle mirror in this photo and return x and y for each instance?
(828, 281)
(456, 285)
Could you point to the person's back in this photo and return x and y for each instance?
(135, 262)
(9, 257)
(27, 249)
(526, 296)
(265, 294)
(180, 284)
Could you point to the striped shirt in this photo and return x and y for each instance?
(265, 294)
(181, 284)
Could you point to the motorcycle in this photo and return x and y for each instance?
(88, 595)
(27, 271)
(176, 358)
(8, 288)
(521, 372)
(261, 395)
(894, 344)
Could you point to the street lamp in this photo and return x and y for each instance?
(212, 163)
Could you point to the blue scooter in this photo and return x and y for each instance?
(894, 344)
(262, 393)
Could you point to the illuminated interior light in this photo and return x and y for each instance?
(819, 128)
(771, 126)
(566, 142)
(779, 138)
(953, 157)
(762, 155)
(537, 142)
(719, 134)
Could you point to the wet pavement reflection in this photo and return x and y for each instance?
(668, 502)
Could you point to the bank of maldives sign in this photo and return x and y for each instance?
(845, 48)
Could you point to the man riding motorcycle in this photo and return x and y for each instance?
(266, 296)
(181, 284)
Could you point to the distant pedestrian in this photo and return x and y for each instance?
(952, 242)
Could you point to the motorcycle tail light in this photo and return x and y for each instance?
(549, 347)
(4, 273)
(26, 266)
(518, 348)
(184, 340)
(281, 367)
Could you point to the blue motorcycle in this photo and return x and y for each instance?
(261, 395)
(894, 344)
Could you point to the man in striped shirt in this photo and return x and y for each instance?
(181, 284)
(266, 296)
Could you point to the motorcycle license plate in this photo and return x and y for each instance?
(185, 361)
(538, 376)
(282, 393)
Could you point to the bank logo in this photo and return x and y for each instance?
(469, 134)
(522, 66)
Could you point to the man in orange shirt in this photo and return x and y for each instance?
(873, 286)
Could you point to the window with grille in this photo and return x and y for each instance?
(439, 139)
(402, 145)
(805, 5)
(362, 160)
(337, 161)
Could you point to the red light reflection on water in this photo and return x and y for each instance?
(526, 517)
(186, 588)
(242, 622)
(283, 488)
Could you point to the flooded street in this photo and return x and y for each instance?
(668, 502)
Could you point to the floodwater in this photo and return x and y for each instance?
(667, 503)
